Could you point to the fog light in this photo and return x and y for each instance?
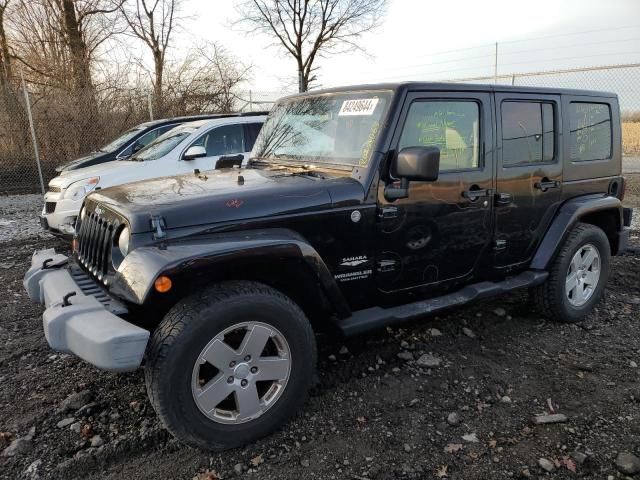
(163, 284)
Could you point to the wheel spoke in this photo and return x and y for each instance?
(589, 257)
(576, 261)
(579, 294)
(219, 354)
(273, 368)
(254, 341)
(247, 401)
(213, 393)
(592, 278)
(571, 282)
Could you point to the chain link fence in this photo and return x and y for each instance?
(67, 127)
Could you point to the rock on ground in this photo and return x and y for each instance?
(628, 463)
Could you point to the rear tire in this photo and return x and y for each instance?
(263, 333)
(577, 277)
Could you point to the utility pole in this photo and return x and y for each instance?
(150, 101)
(495, 66)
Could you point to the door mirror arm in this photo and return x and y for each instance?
(394, 192)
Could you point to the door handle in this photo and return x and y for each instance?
(474, 194)
(545, 184)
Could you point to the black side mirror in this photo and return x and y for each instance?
(420, 164)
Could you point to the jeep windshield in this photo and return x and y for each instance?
(335, 128)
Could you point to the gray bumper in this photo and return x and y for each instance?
(88, 326)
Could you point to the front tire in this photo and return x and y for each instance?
(577, 277)
(229, 365)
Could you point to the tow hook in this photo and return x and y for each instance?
(65, 299)
(46, 266)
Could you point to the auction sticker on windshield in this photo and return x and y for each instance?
(358, 106)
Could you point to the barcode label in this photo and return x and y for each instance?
(361, 106)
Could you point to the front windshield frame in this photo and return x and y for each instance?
(164, 144)
(369, 137)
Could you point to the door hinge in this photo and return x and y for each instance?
(500, 245)
(386, 213)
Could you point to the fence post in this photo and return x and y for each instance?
(250, 101)
(33, 131)
(150, 106)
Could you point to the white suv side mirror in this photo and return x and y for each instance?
(194, 151)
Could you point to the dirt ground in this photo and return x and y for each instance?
(372, 415)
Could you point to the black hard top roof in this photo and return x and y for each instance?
(204, 116)
(463, 87)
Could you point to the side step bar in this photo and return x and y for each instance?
(376, 317)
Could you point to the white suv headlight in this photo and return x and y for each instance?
(78, 190)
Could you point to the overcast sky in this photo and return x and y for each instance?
(445, 39)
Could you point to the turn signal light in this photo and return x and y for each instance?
(163, 284)
(74, 245)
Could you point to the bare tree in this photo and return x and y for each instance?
(153, 21)
(308, 29)
(5, 57)
(206, 80)
(76, 15)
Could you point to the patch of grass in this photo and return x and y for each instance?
(631, 138)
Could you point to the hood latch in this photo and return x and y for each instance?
(158, 224)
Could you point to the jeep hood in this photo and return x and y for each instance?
(225, 196)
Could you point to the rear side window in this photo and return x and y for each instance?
(452, 126)
(590, 125)
(251, 133)
(528, 133)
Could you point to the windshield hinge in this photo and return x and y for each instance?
(387, 213)
(158, 225)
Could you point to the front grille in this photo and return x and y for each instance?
(55, 189)
(49, 207)
(95, 238)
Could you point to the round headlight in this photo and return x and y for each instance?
(123, 241)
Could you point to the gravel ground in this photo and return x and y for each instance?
(377, 412)
(19, 217)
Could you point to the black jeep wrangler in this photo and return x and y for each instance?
(361, 207)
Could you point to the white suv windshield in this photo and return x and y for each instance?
(336, 128)
(163, 144)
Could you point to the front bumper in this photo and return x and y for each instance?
(59, 214)
(80, 317)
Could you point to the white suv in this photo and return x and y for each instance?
(202, 145)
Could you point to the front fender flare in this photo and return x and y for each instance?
(566, 218)
(139, 269)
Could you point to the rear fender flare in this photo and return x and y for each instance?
(566, 218)
(140, 268)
